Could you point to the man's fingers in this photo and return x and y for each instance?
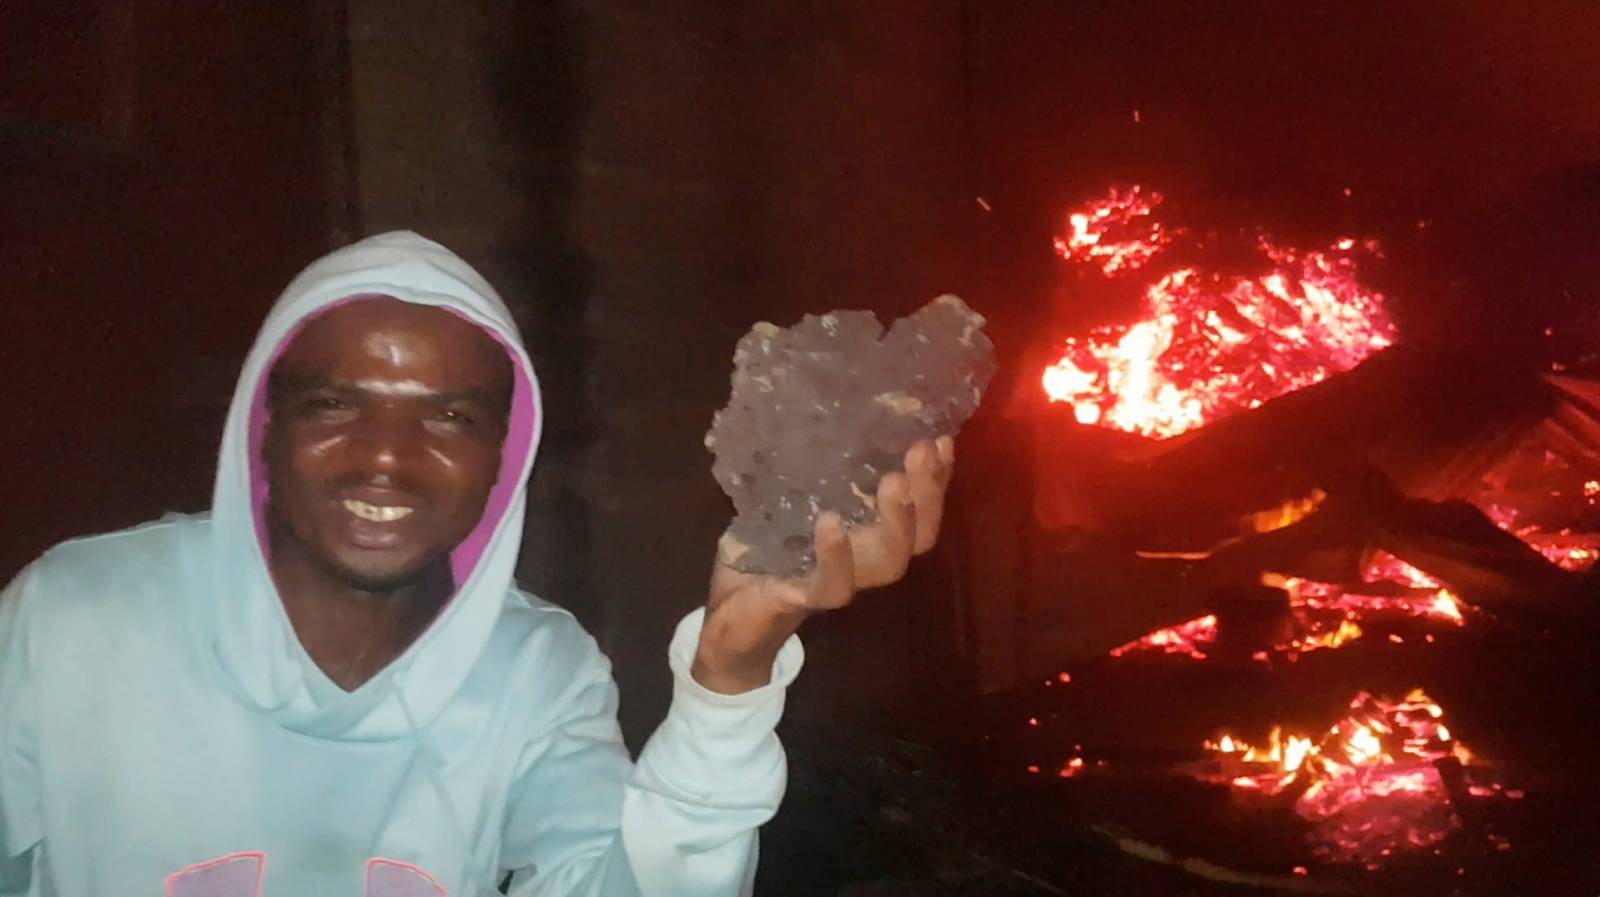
(833, 582)
(946, 448)
(910, 509)
(883, 550)
(928, 474)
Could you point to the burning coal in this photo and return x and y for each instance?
(1208, 345)
(1187, 639)
(1370, 785)
(1117, 234)
(1564, 548)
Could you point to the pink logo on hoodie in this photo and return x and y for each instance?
(234, 875)
(392, 878)
(240, 874)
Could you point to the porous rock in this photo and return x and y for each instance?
(820, 411)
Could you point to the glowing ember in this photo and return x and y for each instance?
(1185, 638)
(1379, 790)
(1208, 345)
(1326, 613)
(1287, 514)
(1571, 557)
(1315, 637)
(1564, 548)
(1369, 785)
(1285, 756)
(1118, 232)
(1386, 567)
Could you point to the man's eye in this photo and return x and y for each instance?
(455, 418)
(325, 408)
(325, 405)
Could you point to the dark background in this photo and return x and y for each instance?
(646, 180)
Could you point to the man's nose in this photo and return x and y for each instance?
(386, 443)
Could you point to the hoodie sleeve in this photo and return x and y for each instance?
(683, 820)
(20, 826)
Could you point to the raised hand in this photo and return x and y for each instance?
(749, 616)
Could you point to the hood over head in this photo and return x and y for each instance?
(241, 622)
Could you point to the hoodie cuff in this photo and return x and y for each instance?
(753, 713)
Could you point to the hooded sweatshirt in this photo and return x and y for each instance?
(163, 733)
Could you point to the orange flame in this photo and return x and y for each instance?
(1185, 638)
(1369, 784)
(1314, 603)
(1208, 345)
(1118, 232)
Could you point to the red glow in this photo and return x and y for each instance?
(1185, 638)
(1326, 614)
(1208, 345)
(1117, 233)
(1369, 785)
(1567, 550)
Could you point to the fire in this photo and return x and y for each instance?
(1564, 548)
(1287, 514)
(1287, 756)
(1208, 345)
(1117, 232)
(1385, 566)
(1374, 731)
(1326, 612)
(1347, 631)
(1185, 638)
(1326, 615)
(1369, 784)
(1076, 766)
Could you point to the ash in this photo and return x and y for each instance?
(820, 411)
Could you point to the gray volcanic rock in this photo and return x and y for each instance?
(822, 410)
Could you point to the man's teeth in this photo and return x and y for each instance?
(376, 513)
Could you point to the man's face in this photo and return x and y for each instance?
(386, 422)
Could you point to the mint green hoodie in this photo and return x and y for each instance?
(163, 733)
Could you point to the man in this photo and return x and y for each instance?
(331, 686)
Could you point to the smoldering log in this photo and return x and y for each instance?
(1389, 450)
(1431, 423)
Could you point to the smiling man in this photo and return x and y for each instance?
(384, 430)
(330, 685)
